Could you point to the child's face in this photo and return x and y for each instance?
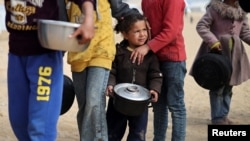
(137, 35)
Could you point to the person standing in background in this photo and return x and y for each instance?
(35, 74)
(223, 28)
(166, 18)
(90, 69)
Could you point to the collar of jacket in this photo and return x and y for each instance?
(235, 13)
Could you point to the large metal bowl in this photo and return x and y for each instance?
(55, 35)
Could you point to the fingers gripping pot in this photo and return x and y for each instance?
(131, 99)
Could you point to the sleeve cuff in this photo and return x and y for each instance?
(215, 45)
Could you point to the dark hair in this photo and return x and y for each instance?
(124, 23)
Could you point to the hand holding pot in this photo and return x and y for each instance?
(84, 33)
(154, 95)
(110, 91)
(87, 30)
(216, 48)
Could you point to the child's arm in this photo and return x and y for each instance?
(110, 90)
(203, 28)
(216, 47)
(119, 8)
(86, 30)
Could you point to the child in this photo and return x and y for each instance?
(91, 68)
(223, 28)
(35, 74)
(168, 44)
(135, 33)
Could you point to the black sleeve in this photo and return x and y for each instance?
(119, 9)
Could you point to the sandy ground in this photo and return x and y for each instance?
(196, 98)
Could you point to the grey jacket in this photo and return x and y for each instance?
(223, 23)
(119, 8)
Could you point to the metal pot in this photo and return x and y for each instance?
(245, 5)
(131, 99)
(68, 94)
(211, 70)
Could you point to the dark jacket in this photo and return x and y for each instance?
(147, 74)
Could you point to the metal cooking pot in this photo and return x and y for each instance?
(212, 70)
(68, 94)
(131, 99)
(245, 5)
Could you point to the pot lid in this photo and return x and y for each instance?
(132, 91)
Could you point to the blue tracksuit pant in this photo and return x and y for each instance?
(35, 85)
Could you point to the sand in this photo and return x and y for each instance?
(196, 98)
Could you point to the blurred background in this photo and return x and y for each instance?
(191, 6)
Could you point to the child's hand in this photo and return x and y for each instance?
(109, 91)
(154, 95)
(216, 48)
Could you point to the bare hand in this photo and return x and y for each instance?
(154, 95)
(216, 49)
(84, 33)
(139, 53)
(110, 91)
(87, 30)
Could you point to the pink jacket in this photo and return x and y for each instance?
(223, 23)
(166, 20)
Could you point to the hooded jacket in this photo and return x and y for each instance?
(224, 23)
